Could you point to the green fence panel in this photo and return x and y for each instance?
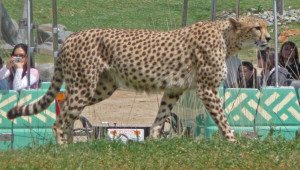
(27, 130)
(254, 110)
(11, 98)
(45, 85)
(288, 132)
(278, 107)
(8, 99)
(44, 119)
(270, 108)
(241, 106)
(24, 137)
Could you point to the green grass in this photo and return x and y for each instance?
(149, 14)
(161, 154)
(141, 14)
(176, 153)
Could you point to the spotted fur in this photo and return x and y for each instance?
(94, 63)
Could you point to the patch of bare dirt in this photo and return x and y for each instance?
(124, 108)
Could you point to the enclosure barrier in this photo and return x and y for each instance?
(26, 130)
(254, 113)
(249, 112)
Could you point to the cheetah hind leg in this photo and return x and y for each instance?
(62, 130)
(165, 108)
(105, 88)
(63, 126)
(56, 128)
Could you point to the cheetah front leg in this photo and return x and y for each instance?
(167, 102)
(212, 103)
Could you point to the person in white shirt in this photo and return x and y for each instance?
(16, 70)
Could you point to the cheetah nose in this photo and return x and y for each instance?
(268, 38)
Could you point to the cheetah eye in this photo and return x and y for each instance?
(257, 27)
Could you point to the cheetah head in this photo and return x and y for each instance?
(251, 31)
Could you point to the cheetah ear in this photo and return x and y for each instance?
(234, 23)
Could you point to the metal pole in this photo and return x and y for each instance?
(280, 6)
(184, 14)
(28, 42)
(237, 16)
(213, 10)
(276, 42)
(32, 26)
(1, 19)
(238, 9)
(54, 29)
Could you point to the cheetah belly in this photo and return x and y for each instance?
(151, 84)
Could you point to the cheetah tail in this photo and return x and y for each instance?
(45, 101)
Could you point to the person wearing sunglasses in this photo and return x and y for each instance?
(16, 69)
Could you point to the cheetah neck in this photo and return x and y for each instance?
(232, 39)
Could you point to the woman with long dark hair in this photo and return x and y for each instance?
(289, 58)
(16, 69)
(268, 75)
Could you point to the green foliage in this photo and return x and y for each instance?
(259, 8)
(150, 14)
(138, 14)
(175, 153)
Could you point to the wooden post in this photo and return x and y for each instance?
(238, 9)
(31, 34)
(0, 19)
(213, 10)
(276, 42)
(184, 14)
(54, 29)
(237, 16)
(280, 6)
(23, 20)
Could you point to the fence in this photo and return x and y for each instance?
(26, 130)
(249, 111)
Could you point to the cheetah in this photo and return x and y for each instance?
(95, 62)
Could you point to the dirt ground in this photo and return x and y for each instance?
(130, 109)
(124, 108)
